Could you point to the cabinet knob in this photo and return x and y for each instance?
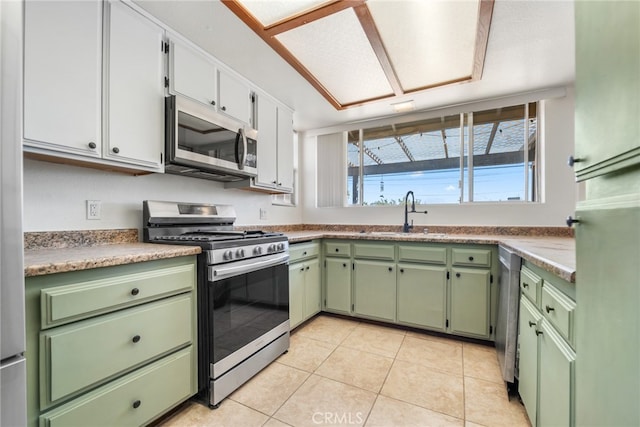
(457, 274)
(115, 150)
(337, 250)
(274, 182)
(92, 145)
(304, 253)
(531, 324)
(302, 269)
(572, 160)
(525, 285)
(135, 291)
(344, 264)
(549, 309)
(224, 108)
(390, 268)
(280, 184)
(538, 332)
(136, 404)
(136, 339)
(470, 258)
(213, 102)
(402, 270)
(307, 268)
(571, 221)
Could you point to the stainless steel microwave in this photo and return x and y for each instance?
(202, 143)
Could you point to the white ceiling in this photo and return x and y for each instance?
(531, 47)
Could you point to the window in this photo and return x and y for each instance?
(483, 156)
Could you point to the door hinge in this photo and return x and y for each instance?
(353, 266)
(447, 275)
(252, 96)
(325, 266)
(353, 307)
(491, 278)
(160, 158)
(325, 302)
(490, 329)
(447, 323)
(165, 47)
(166, 82)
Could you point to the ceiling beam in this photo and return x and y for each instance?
(444, 143)
(370, 29)
(405, 149)
(369, 153)
(307, 17)
(492, 135)
(482, 37)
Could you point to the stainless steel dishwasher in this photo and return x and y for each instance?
(507, 321)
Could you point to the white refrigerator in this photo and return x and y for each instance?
(13, 381)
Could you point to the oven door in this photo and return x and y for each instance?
(248, 308)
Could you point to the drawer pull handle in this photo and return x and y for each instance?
(337, 250)
(344, 264)
(573, 160)
(531, 323)
(571, 221)
(136, 339)
(213, 103)
(390, 269)
(304, 253)
(92, 145)
(470, 258)
(307, 268)
(457, 274)
(115, 150)
(549, 309)
(136, 404)
(525, 285)
(538, 332)
(135, 291)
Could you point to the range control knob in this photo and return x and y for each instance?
(227, 255)
(271, 248)
(240, 253)
(257, 250)
(281, 246)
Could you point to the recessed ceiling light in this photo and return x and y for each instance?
(403, 107)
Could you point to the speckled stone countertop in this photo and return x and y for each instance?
(552, 253)
(63, 251)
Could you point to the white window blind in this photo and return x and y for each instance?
(331, 158)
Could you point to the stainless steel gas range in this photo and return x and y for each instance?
(243, 291)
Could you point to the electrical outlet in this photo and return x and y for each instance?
(94, 209)
(263, 213)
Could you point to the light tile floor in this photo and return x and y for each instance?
(344, 372)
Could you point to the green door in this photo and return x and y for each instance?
(312, 289)
(422, 295)
(556, 379)
(374, 289)
(470, 301)
(296, 294)
(338, 285)
(528, 362)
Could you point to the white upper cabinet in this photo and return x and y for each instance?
(285, 150)
(134, 95)
(267, 125)
(234, 97)
(62, 75)
(191, 74)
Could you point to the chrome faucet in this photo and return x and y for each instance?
(406, 227)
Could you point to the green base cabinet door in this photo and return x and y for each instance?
(296, 294)
(374, 289)
(312, 288)
(470, 301)
(422, 295)
(528, 362)
(557, 362)
(338, 285)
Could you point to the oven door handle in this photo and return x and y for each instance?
(223, 272)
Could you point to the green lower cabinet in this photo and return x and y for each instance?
(528, 361)
(422, 295)
(133, 400)
(296, 294)
(374, 289)
(556, 382)
(470, 301)
(304, 291)
(338, 285)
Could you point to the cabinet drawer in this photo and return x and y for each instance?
(132, 400)
(432, 255)
(558, 309)
(374, 251)
(86, 298)
(300, 251)
(337, 249)
(477, 257)
(77, 356)
(529, 284)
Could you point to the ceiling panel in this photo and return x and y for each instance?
(335, 49)
(270, 12)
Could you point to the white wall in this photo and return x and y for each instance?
(556, 121)
(55, 197)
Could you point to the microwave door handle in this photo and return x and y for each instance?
(242, 159)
